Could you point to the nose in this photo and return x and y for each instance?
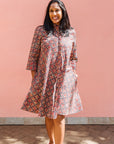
(54, 13)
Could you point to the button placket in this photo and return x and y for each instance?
(58, 64)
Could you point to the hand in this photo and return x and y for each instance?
(33, 72)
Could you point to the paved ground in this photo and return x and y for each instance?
(74, 134)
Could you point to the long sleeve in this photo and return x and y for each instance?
(74, 47)
(73, 56)
(34, 53)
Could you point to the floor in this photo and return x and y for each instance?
(74, 134)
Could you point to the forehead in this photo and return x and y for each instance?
(54, 6)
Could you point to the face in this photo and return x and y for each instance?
(55, 13)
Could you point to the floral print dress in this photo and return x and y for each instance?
(53, 88)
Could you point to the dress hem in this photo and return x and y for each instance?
(65, 114)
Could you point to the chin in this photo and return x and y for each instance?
(56, 22)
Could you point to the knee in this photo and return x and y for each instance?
(60, 119)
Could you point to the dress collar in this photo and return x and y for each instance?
(56, 27)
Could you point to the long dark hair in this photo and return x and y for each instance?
(64, 23)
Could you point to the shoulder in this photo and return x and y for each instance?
(39, 28)
(72, 31)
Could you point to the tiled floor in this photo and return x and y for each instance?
(74, 134)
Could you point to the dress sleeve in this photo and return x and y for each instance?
(34, 53)
(74, 48)
(73, 56)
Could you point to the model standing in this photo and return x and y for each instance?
(52, 61)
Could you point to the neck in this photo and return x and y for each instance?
(55, 24)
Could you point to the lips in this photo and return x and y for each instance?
(55, 18)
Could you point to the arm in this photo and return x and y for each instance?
(74, 48)
(34, 53)
(73, 56)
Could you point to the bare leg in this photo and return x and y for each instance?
(59, 129)
(50, 129)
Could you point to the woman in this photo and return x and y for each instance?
(52, 61)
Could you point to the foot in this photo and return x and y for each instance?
(51, 142)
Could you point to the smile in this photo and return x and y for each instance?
(55, 18)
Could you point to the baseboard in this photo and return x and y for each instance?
(68, 120)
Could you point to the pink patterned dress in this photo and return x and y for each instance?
(53, 89)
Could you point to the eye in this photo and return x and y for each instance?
(57, 10)
(50, 10)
